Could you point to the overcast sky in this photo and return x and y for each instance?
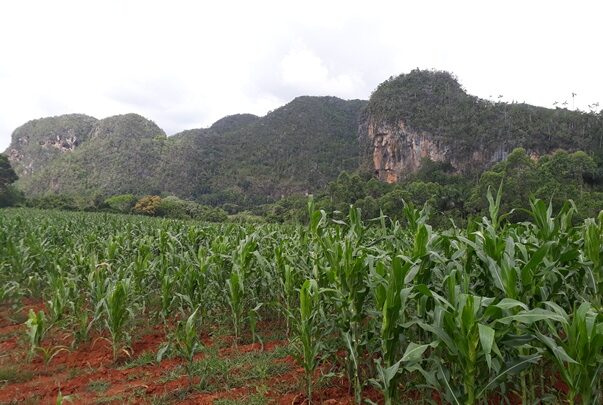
(185, 64)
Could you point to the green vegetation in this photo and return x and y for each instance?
(474, 313)
(241, 160)
(435, 102)
(9, 195)
(261, 168)
(455, 197)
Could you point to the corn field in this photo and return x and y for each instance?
(481, 314)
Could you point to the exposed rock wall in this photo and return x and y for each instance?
(397, 150)
(40, 141)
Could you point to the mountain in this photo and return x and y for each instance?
(240, 159)
(119, 154)
(297, 148)
(245, 160)
(39, 142)
(427, 114)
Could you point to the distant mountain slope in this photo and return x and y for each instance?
(120, 155)
(296, 148)
(246, 160)
(428, 114)
(38, 142)
(240, 159)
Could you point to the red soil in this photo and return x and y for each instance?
(75, 372)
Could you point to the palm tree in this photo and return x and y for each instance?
(573, 100)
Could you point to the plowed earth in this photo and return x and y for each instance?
(87, 373)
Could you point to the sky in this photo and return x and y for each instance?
(185, 64)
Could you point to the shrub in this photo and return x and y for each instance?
(56, 201)
(11, 197)
(147, 205)
(122, 203)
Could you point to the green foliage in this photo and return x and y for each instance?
(121, 203)
(474, 313)
(117, 312)
(147, 205)
(435, 102)
(117, 155)
(36, 329)
(7, 174)
(173, 207)
(577, 350)
(241, 160)
(554, 178)
(9, 196)
(309, 333)
(12, 197)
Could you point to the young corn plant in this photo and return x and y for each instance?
(36, 329)
(236, 292)
(309, 332)
(287, 285)
(185, 341)
(118, 312)
(593, 250)
(391, 292)
(98, 284)
(166, 296)
(348, 275)
(469, 329)
(577, 351)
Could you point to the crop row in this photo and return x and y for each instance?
(473, 313)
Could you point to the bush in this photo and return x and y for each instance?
(147, 205)
(122, 203)
(173, 207)
(11, 197)
(54, 201)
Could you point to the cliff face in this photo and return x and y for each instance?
(427, 114)
(38, 142)
(397, 150)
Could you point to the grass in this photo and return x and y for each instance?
(13, 374)
(98, 386)
(144, 359)
(218, 373)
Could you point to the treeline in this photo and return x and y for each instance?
(449, 196)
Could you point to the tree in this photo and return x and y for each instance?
(7, 174)
(9, 195)
(147, 205)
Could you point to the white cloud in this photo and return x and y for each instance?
(305, 72)
(186, 64)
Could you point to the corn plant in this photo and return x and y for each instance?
(348, 275)
(308, 332)
(36, 329)
(391, 293)
(242, 258)
(236, 291)
(577, 350)
(593, 250)
(59, 296)
(185, 341)
(117, 312)
(48, 353)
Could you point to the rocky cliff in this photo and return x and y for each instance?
(427, 114)
(38, 142)
(242, 159)
(298, 148)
